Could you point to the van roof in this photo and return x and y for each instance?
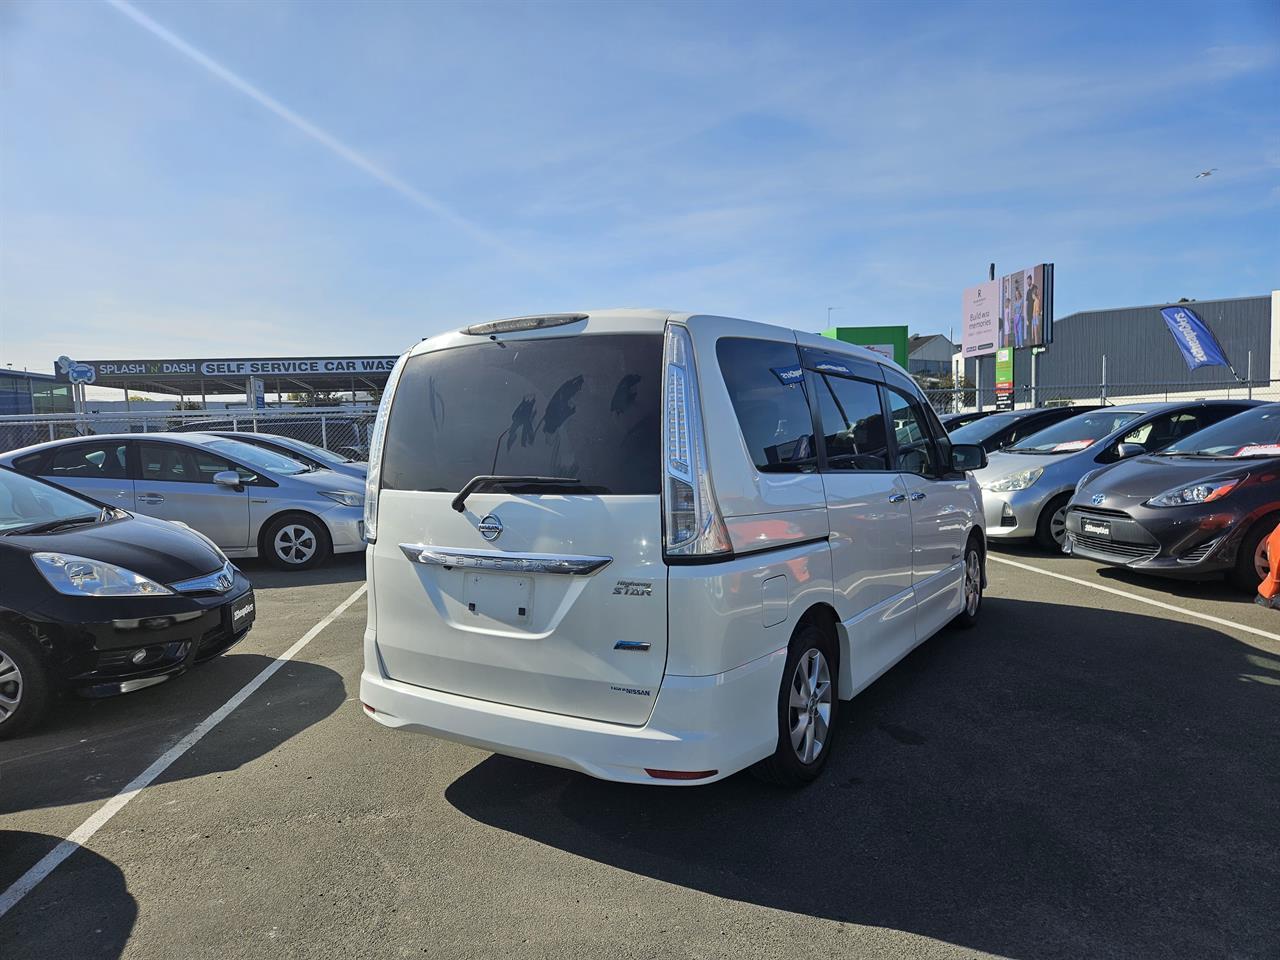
(654, 320)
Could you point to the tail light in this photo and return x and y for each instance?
(373, 479)
(693, 525)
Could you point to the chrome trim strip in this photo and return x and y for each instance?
(220, 581)
(500, 561)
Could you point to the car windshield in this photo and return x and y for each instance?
(1254, 433)
(979, 430)
(319, 452)
(1077, 433)
(28, 503)
(258, 457)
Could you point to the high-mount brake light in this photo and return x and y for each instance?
(522, 323)
(693, 524)
(373, 479)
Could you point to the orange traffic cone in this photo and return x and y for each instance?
(1269, 588)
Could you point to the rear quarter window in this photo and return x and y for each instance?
(585, 407)
(767, 388)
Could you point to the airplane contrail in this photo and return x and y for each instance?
(325, 139)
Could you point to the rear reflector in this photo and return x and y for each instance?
(367, 707)
(680, 774)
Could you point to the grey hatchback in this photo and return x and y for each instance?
(249, 501)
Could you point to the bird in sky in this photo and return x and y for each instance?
(1205, 173)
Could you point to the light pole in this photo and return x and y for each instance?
(829, 309)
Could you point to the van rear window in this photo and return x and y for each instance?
(585, 407)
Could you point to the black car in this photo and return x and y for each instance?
(1199, 509)
(97, 600)
(1004, 429)
(954, 421)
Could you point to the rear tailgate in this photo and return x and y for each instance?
(562, 606)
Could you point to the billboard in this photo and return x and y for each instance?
(1026, 308)
(1004, 378)
(980, 317)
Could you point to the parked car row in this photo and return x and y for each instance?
(1187, 490)
(250, 498)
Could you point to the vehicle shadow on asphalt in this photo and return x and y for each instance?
(101, 922)
(90, 749)
(344, 568)
(1060, 782)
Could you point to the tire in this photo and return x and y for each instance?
(25, 689)
(812, 652)
(296, 541)
(1046, 525)
(967, 618)
(1246, 576)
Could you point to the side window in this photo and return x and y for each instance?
(767, 388)
(915, 449)
(170, 463)
(852, 424)
(1159, 432)
(30, 464)
(93, 461)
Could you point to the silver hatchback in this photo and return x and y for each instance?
(249, 501)
(1026, 488)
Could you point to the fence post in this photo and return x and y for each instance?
(1104, 379)
(324, 431)
(51, 436)
(1248, 372)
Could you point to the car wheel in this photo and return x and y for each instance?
(1252, 562)
(972, 595)
(1051, 528)
(25, 690)
(807, 708)
(296, 541)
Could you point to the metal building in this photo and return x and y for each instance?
(1138, 353)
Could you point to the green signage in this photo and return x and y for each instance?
(1004, 378)
(888, 341)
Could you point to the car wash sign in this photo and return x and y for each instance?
(191, 372)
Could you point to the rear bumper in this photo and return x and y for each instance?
(724, 723)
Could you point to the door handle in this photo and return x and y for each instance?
(897, 498)
(150, 498)
(917, 495)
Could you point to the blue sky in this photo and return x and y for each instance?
(442, 163)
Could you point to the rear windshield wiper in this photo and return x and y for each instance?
(49, 526)
(460, 501)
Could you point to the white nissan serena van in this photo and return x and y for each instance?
(655, 547)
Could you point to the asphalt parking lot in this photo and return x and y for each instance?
(1084, 775)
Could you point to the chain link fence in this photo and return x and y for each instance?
(344, 430)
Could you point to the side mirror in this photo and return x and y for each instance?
(1126, 450)
(228, 478)
(967, 456)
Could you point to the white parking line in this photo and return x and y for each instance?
(1221, 621)
(81, 835)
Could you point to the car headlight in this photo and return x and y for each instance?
(344, 497)
(1015, 481)
(1205, 492)
(82, 577)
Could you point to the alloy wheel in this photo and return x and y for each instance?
(1261, 560)
(809, 709)
(972, 583)
(10, 687)
(295, 543)
(1058, 525)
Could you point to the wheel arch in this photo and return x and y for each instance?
(269, 522)
(824, 617)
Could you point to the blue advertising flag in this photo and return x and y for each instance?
(1200, 348)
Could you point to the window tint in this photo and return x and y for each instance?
(766, 386)
(852, 424)
(586, 407)
(915, 447)
(171, 463)
(102, 461)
